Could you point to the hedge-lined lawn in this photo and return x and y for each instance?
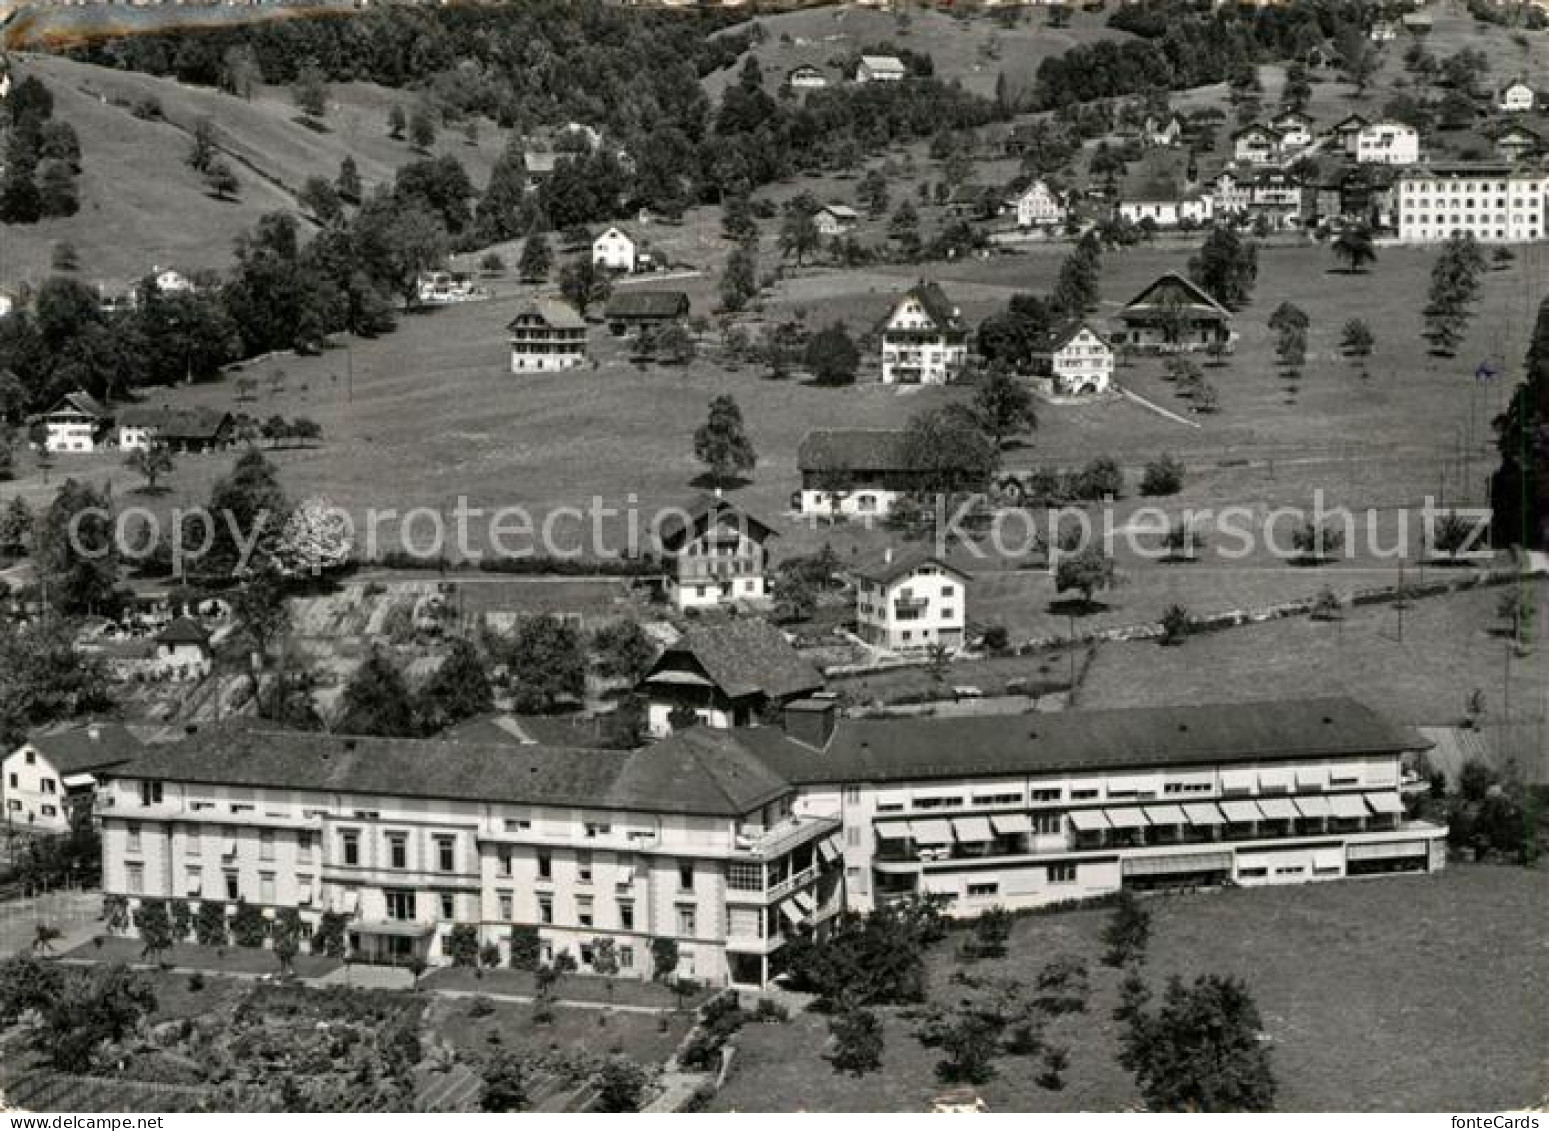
(644, 1037)
(192, 956)
(572, 987)
(1413, 993)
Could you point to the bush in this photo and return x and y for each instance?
(768, 1010)
(526, 948)
(996, 638)
(1102, 478)
(857, 1042)
(1163, 476)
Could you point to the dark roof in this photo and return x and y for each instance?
(552, 313)
(964, 746)
(531, 730)
(856, 449)
(184, 630)
(659, 779)
(938, 306)
(1173, 287)
(191, 423)
(701, 774)
(71, 749)
(745, 656)
(1351, 121)
(1255, 128)
(701, 513)
(1067, 329)
(83, 403)
(886, 566)
(633, 303)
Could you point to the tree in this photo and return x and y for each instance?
(970, 1043)
(1355, 248)
(1086, 572)
(584, 284)
(422, 128)
(155, 927)
(376, 700)
(624, 650)
(462, 944)
(992, 929)
(1003, 404)
(1314, 543)
(949, 452)
(1519, 489)
(247, 511)
(526, 947)
(856, 1042)
(94, 1005)
(1200, 1050)
(202, 149)
(873, 193)
(721, 443)
(249, 928)
(1356, 339)
(397, 122)
(347, 184)
(221, 181)
(1163, 476)
(739, 279)
(1226, 267)
(505, 1083)
(76, 551)
(664, 959)
(459, 689)
(1075, 290)
(620, 1085)
(320, 198)
(799, 235)
(151, 462)
(875, 959)
(286, 936)
(547, 663)
(210, 924)
(27, 983)
(310, 93)
(43, 679)
(15, 528)
(1127, 932)
(537, 258)
(832, 355)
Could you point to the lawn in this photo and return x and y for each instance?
(215, 960)
(648, 1038)
(617, 991)
(1423, 993)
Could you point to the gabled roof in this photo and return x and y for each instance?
(937, 306)
(78, 748)
(698, 516)
(616, 231)
(1063, 331)
(195, 422)
(745, 656)
(855, 449)
(840, 211)
(1350, 122)
(882, 62)
(886, 566)
(552, 312)
(1256, 128)
(184, 630)
(1291, 116)
(636, 303)
(1173, 288)
(701, 773)
(83, 403)
(1518, 130)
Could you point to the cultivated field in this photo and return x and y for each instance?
(1450, 1016)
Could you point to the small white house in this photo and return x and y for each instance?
(880, 68)
(925, 340)
(1518, 98)
(910, 600)
(806, 77)
(172, 282)
(54, 770)
(1295, 130)
(1038, 206)
(835, 219)
(614, 250)
(1388, 143)
(1077, 359)
(76, 424)
(1256, 144)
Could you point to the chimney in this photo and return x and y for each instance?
(887, 556)
(812, 721)
(94, 732)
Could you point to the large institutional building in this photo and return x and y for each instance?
(729, 841)
(1495, 203)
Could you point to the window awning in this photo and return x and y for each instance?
(626, 876)
(304, 894)
(1178, 864)
(230, 848)
(1165, 815)
(1241, 812)
(1325, 858)
(1204, 813)
(1276, 779)
(1089, 820)
(893, 830)
(351, 902)
(1316, 806)
(395, 928)
(805, 901)
(1132, 817)
(1347, 805)
(1385, 803)
(1238, 779)
(1311, 777)
(1009, 824)
(1278, 808)
(790, 913)
(931, 832)
(972, 830)
(195, 886)
(828, 850)
(1392, 850)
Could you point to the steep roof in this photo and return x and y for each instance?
(553, 313)
(1174, 288)
(855, 449)
(615, 230)
(81, 748)
(700, 773)
(937, 306)
(698, 516)
(887, 567)
(919, 748)
(184, 630)
(1350, 122)
(1063, 331)
(81, 402)
(746, 656)
(635, 303)
(195, 422)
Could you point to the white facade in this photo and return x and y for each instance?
(835, 219)
(70, 430)
(171, 282)
(806, 78)
(914, 609)
(918, 349)
(863, 502)
(1518, 98)
(1082, 363)
(1295, 131)
(879, 68)
(614, 250)
(1038, 206)
(1388, 143)
(34, 792)
(1493, 204)
(1256, 145)
(1169, 213)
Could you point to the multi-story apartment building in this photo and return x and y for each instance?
(547, 336)
(925, 340)
(731, 841)
(1495, 203)
(910, 600)
(713, 553)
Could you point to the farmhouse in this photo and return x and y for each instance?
(184, 643)
(183, 429)
(1161, 133)
(1038, 206)
(1159, 203)
(1516, 143)
(1294, 129)
(51, 773)
(806, 77)
(547, 336)
(1346, 133)
(856, 471)
(879, 68)
(727, 674)
(1515, 98)
(78, 423)
(614, 250)
(634, 309)
(1174, 315)
(924, 340)
(1388, 143)
(1076, 358)
(1256, 144)
(909, 601)
(713, 553)
(1495, 203)
(733, 841)
(835, 219)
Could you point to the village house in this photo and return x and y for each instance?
(1038, 206)
(1076, 359)
(1388, 143)
(924, 340)
(183, 429)
(52, 773)
(614, 250)
(1256, 144)
(1517, 143)
(1162, 133)
(1230, 193)
(1275, 196)
(79, 422)
(1346, 133)
(713, 553)
(1383, 31)
(1171, 315)
(539, 165)
(856, 472)
(835, 220)
(733, 842)
(547, 336)
(1160, 203)
(441, 288)
(636, 310)
(1294, 130)
(170, 281)
(184, 644)
(1516, 98)
(806, 77)
(909, 600)
(728, 674)
(879, 68)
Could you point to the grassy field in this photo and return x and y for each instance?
(1379, 995)
(218, 960)
(647, 1038)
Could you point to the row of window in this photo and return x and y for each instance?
(1052, 874)
(45, 785)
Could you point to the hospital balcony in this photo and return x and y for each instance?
(767, 842)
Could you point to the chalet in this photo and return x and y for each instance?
(1162, 133)
(713, 553)
(835, 219)
(879, 68)
(1294, 129)
(614, 250)
(1256, 144)
(547, 336)
(184, 644)
(1174, 315)
(1516, 98)
(1388, 143)
(1276, 196)
(1516, 143)
(909, 601)
(806, 77)
(1076, 358)
(1230, 193)
(729, 674)
(191, 429)
(854, 471)
(1346, 133)
(635, 309)
(1038, 206)
(1383, 31)
(55, 770)
(924, 339)
(78, 423)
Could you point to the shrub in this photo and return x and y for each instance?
(857, 1042)
(526, 949)
(996, 638)
(1163, 476)
(1102, 478)
(1177, 624)
(768, 1010)
(1127, 932)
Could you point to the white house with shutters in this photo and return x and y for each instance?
(924, 340)
(909, 600)
(615, 250)
(1038, 206)
(1077, 359)
(1388, 143)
